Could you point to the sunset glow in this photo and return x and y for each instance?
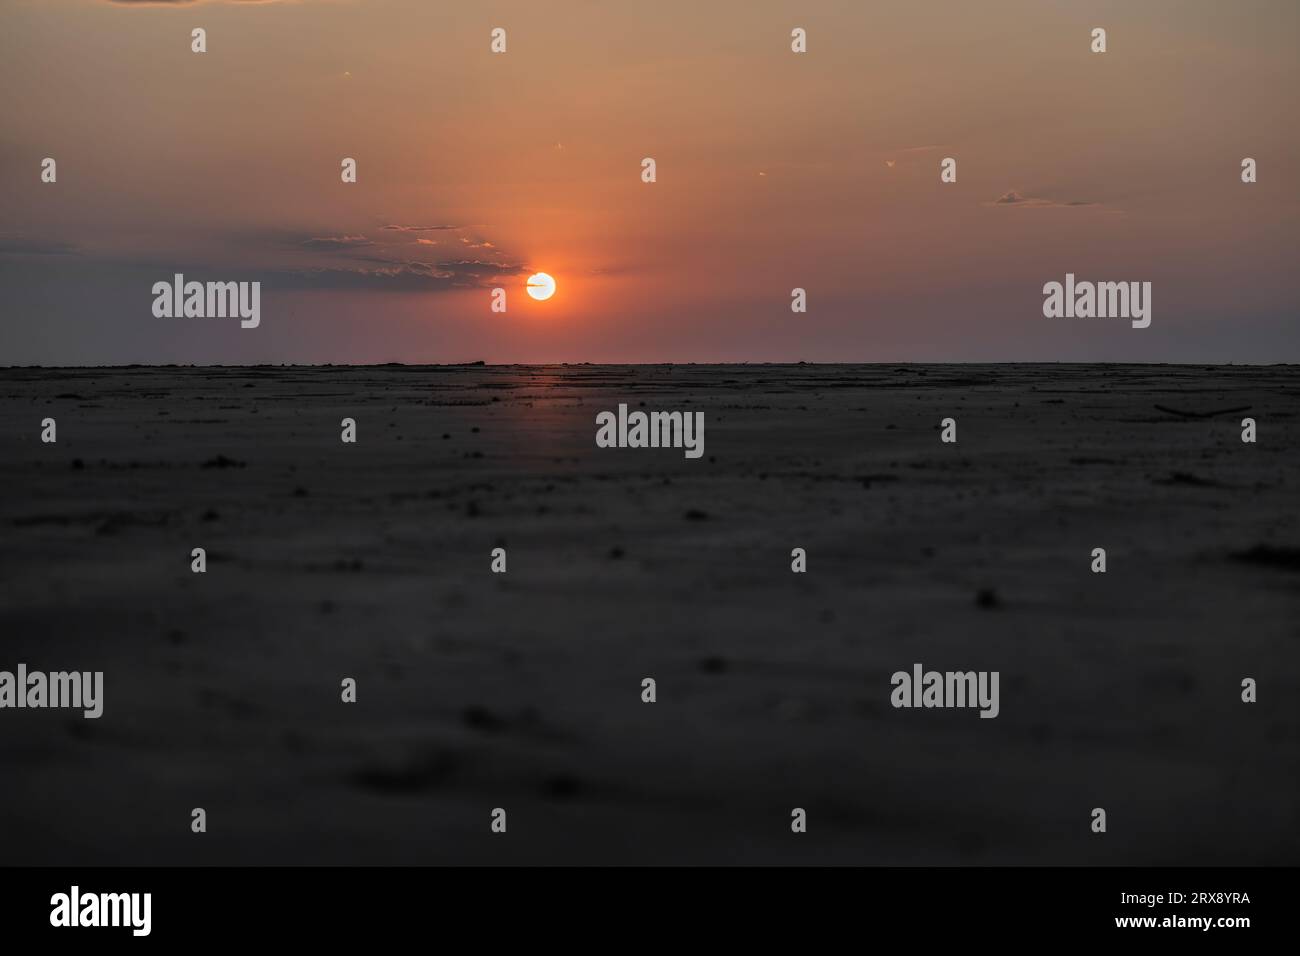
(469, 170)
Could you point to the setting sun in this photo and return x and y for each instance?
(541, 286)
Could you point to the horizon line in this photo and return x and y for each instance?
(479, 363)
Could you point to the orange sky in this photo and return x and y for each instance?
(773, 172)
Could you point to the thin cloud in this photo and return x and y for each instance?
(1013, 198)
(377, 273)
(480, 267)
(402, 228)
(336, 242)
(357, 271)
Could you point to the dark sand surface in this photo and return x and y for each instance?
(522, 690)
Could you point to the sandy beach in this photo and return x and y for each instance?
(522, 690)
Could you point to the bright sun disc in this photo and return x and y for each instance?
(541, 286)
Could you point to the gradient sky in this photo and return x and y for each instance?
(775, 170)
